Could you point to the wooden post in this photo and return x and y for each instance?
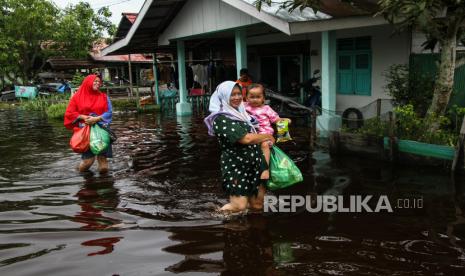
(334, 141)
(460, 149)
(121, 79)
(378, 108)
(391, 136)
(130, 76)
(312, 130)
(137, 85)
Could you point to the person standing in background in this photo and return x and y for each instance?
(244, 81)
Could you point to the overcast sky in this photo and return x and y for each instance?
(116, 6)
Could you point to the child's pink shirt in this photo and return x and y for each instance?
(265, 116)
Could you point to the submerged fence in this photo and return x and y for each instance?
(199, 103)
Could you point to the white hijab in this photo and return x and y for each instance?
(219, 105)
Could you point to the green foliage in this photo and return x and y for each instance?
(410, 126)
(77, 79)
(56, 111)
(407, 87)
(55, 106)
(42, 103)
(434, 18)
(442, 22)
(374, 127)
(456, 115)
(291, 5)
(79, 27)
(33, 30)
(6, 105)
(25, 26)
(124, 104)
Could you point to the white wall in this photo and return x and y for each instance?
(387, 49)
(204, 16)
(418, 39)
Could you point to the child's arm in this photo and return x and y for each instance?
(274, 116)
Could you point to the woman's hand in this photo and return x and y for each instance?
(83, 117)
(270, 140)
(252, 138)
(92, 120)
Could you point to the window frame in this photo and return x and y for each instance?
(352, 53)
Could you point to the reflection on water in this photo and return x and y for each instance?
(152, 215)
(96, 196)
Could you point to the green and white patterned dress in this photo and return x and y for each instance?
(241, 165)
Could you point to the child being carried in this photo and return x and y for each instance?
(255, 105)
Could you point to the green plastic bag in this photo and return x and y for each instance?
(283, 171)
(99, 139)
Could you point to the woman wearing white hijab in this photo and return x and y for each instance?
(242, 161)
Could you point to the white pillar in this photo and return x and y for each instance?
(183, 108)
(155, 78)
(328, 120)
(241, 50)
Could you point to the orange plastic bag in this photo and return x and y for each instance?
(80, 141)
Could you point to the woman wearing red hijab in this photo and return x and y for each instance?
(89, 106)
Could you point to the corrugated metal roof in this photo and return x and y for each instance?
(338, 8)
(135, 58)
(96, 54)
(131, 16)
(156, 15)
(275, 9)
(328, 9)
(153, 18)
(124, 25)
(62, 63)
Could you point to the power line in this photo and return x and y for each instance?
(111, 4)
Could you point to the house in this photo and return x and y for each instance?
(350, 46)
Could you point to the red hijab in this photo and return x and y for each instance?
(85, 101)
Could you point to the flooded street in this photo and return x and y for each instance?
(153, 214)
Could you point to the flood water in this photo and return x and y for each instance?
(153, 214)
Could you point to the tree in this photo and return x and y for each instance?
(442, 21)
(79, 27)
(33, 30)
(25, 26)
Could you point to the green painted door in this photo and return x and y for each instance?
(362, 74)
(345, 74)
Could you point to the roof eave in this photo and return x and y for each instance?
(114, 47)
(124, 42)
(273, 21)
(297, 28)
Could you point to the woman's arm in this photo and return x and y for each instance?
(72, 114)
(252, 138)
(107, 116)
